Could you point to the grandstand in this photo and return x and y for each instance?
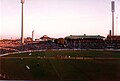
(113, 42)
(85, 41)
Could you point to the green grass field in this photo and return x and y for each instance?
(44, 68)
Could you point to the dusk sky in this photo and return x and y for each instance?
(57, 18)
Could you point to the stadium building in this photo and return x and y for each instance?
(85, 41)
(113, 41)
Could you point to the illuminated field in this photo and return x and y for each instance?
(62, 65)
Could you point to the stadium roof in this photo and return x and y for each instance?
(84, 37)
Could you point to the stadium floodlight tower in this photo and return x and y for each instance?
(113, 10)
(22, 36)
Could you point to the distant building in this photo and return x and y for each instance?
(33, 39)
(46, 38)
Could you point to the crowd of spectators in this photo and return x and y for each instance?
(47, 45)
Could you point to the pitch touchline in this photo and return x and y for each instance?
(80, 58)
